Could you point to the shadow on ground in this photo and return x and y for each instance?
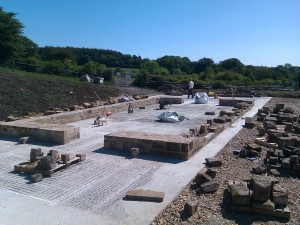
(151, 157)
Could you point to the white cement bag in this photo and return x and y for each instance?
(201, 98)
(170, 116)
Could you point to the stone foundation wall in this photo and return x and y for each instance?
(52, 128)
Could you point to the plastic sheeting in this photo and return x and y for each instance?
(201, 98)
(171, 117)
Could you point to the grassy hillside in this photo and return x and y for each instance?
(22, 92)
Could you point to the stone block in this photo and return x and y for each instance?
(219, 120)
(269, 125)
(210, 113)
(259, 169)
(268, 205)
(274, 172)
(211, 172)
(65, 158)
(285, 164)
(273, 160)
(261, 190)
(54, 154)
(203, 129)
(37, 177)
(145, 195)
(213, 162)
(47, 163)
(253, 146)
(82, 156)
(240, 194)
(249, 122)
(201, 178)
(261, 132)
(190, 207)
(209, 187)
(280, 196)
(293, 159)
(222, 113)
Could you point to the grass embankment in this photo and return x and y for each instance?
(22, 92)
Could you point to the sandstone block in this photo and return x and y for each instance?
(190, 207)
(274, 172)
(82, 156)
(65, 157)
(285, 164)
(47, 163)
(259, 169)
(261, 190)
(273, 160)
(269, 125)
(213, 162)
(209, 187)
(201, 178)
(253, 146)
(219, 120)
(145, 195)
(37, 177)
(240, 194)
(249, 122)
(280, 196)
(211, 172)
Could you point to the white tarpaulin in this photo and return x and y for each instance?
(170, 117)
(201, 98)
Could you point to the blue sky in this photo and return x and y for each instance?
(257, 32)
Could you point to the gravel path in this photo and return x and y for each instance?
(212, 207)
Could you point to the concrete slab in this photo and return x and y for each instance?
(92, 191)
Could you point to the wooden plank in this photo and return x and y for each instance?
(25, 167)
(280, 213)
(145, 195)
(263, 141)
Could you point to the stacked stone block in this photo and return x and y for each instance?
(263, 194)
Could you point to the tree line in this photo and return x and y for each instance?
(14, 45)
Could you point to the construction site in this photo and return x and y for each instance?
(124, 163)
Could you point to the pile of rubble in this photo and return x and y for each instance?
(260, 194)
(40, 165)
(204, 183)
(282, 128)
(171, 89)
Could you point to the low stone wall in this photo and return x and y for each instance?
(52, 128)
(175, 145)
(179, 146)
(233, 102)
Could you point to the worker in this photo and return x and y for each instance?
(191, 89)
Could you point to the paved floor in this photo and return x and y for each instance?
(92, 191)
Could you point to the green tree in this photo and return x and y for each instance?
(150, 66)
(10, 33)
(202, 64)
(108, 75)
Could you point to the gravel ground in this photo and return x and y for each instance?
(212, 207)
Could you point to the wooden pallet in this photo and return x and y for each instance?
(264, 142)
(284, 213)
(28, 167)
